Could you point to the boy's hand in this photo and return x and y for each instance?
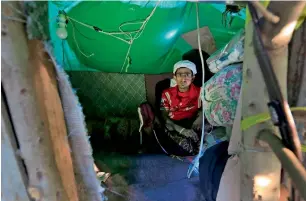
(190, 133)
(170, 126)
(197, 124)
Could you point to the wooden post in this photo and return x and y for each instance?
(88, 185)
(260, 169)
(52, 114)
(34, 105)
(254, 100)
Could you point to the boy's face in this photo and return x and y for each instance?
(183, 77)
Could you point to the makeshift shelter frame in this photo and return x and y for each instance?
(33, 118)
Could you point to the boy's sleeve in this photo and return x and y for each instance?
(165, 101)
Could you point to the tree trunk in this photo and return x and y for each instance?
(260, 172)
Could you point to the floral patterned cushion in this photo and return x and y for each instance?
(221, 94)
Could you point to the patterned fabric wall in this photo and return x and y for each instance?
(109, 94)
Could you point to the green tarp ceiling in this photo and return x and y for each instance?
(155, 51)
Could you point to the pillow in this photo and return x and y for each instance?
(221, 96)
(232, 53)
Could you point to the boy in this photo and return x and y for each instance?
(181, 105)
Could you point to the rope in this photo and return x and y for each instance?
(77, 44)
(97, 29)
(128, 34)
(203, 79)
(159, 143)
(141, 123)
(137, 35)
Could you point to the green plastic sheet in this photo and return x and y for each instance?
(154, 52)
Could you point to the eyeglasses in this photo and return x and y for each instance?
(189, 75)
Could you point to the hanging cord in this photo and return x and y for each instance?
(128, 34)
(137, 35)
(77, 44)
(141, 124)
(203, 79)
(97, 29)
(64, 61)
(160, 143)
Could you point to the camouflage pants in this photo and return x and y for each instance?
(190, 145)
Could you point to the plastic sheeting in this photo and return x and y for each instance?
(154, 52)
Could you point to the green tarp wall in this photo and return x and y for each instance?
(154, 52)
(103, 92)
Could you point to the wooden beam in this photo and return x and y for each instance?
(88, 185)
(13, 177)
(51, 112)
(36, 128)
(260, 170)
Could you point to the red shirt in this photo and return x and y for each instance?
(181, 105)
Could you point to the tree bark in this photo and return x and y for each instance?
(254, 101)
(262, 164)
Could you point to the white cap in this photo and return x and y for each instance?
(185, 64)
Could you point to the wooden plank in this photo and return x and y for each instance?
(88, 184)
(13, 176)
(35, 143)
(51, 111)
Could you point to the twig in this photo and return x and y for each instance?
(266, 14)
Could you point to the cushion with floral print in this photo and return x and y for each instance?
(221, 94)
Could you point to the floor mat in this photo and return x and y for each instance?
(148, 178)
